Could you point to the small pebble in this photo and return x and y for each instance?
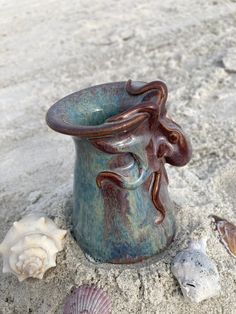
(34, 196)
(229, 60)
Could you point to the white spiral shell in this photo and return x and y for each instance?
(30, 246)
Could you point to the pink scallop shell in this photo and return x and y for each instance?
(88, 300)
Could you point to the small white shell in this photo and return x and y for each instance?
(30, 246)
(196, 273)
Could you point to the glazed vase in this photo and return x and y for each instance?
(122, 210)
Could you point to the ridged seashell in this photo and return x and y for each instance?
(227, 233)
(30, 246)
(88, 299)
(196, 273)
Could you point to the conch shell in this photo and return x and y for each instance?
(30, 246)
(196, 273)
(227, 233)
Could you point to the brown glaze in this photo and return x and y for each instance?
(145, 128)
(113, 196)
(155, 196)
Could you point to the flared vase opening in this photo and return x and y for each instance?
(84, 113)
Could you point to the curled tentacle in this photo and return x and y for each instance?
(144, 107)
(155, 85)
(147, 87)
(122, 181)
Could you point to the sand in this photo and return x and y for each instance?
(50, 48)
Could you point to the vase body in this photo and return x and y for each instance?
(122, 210)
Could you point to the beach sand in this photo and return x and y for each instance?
(51, 48)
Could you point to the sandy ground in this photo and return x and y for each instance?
(50, 48)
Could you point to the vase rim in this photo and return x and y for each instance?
(56, 120)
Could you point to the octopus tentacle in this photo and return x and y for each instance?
(158, 85)
(148, 108)
(121, 181)
(144, 107)
(155, 190)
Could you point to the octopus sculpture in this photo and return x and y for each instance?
(123, 137)
(153, 141)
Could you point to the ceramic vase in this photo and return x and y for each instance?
(123, 138)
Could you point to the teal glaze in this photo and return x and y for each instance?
(113, 223)
(133, 234)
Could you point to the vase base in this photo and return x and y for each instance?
(128, 259)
